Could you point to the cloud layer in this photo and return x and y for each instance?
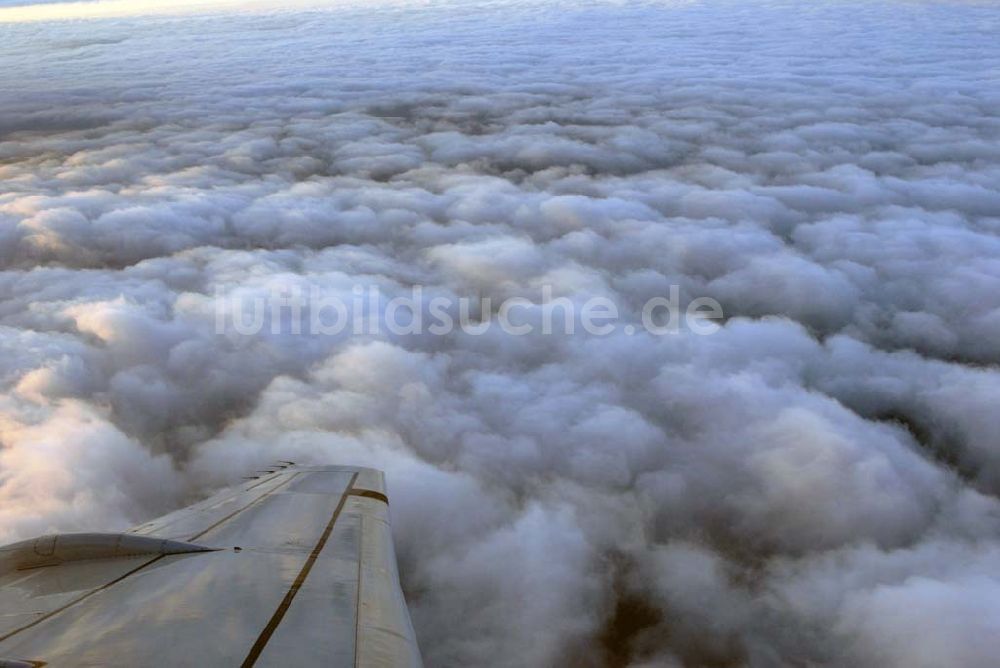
(815, 484)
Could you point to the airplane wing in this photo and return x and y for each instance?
(294, 568)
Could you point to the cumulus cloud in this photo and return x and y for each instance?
(816, 483)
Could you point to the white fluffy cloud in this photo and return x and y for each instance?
(816, 483)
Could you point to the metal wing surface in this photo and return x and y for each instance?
(295, 568)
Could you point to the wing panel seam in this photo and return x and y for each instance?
(286, 602)
(240, 510)
(110, 584)
(80, 599)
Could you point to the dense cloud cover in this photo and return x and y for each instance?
(814, 484)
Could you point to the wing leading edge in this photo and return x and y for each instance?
(294, 568)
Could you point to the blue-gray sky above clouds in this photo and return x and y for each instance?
(817, 483)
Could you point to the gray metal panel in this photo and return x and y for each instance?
(385, 635)
(320, 482)
(371, 479)
(289, 596)
(185, 610)
(281, 520)
(25, 596)
(189, 523)
(320, 627)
